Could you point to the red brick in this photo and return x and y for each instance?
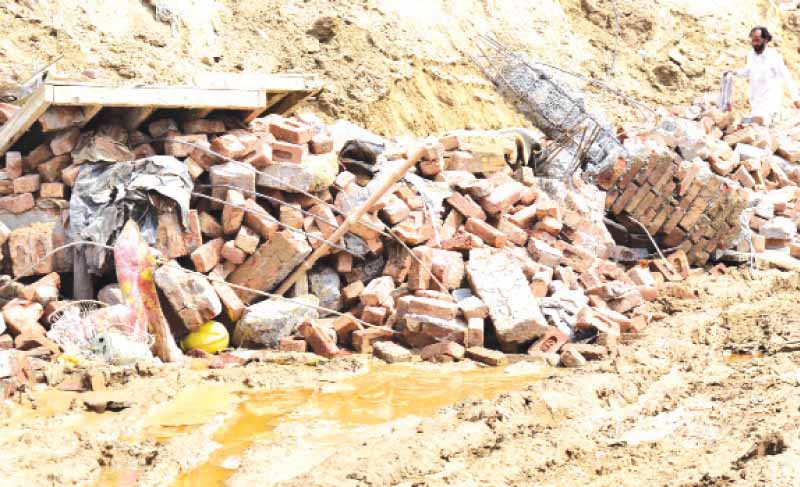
(247, 240)
(207, 255)
(27, 184)
(209, 225)
(288, 152)
(14, 167)
(436, 351)
(234, 307)
(318, 340)
(60, 117)
(229, 146)
(466, 206)
(524, 217)
(377, 292)
(261, 156)
(291, 131)
(502, 198)
(37, 156)
(345, 325)
(51, 171)
(233, 212)
(290, 344)
(418, 275)
(375, 315)
(233, 254)
(21, 315)
(515, 234)
(321, 144)
(70, 174)
(550, 225)
(551, 342)
(64, 142)
(202, 126)
(352, 292)
(609, 177)
(429, 307)
(159, 128)
(363, 339)
(486, 232)
(17, 203)
(177, 149)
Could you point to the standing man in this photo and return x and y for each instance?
(768, 74)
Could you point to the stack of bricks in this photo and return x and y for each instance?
(510, 263)
(681, 204)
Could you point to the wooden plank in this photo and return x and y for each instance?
(270, 83)
(135, 116)
(275, 98)
(254, 114)
(290, 101)
(82, 282)
(89, 112)
(16, 127)
(156, 97)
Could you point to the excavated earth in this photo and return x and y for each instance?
(709, 396)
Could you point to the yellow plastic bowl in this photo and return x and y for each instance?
(211, 337)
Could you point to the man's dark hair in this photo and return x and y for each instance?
(764, 33)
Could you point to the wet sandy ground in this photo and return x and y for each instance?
(687, 404)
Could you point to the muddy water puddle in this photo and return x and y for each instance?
(334, 410)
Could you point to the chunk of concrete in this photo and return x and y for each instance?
(497, 279)
(315, 173)
(325, 284)
(233, 174)
(265, 323)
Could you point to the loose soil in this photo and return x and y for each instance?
(397, 66)
(675, 408)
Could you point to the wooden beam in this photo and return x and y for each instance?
(89, 113)
(135, 116)
(173, 97)
(16, 127)
(289, 102)
(254, 114)
(270, 83)
(274, 98)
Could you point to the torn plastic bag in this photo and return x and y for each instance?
(361, 155)
(105, 196)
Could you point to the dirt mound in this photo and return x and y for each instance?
(394, 66)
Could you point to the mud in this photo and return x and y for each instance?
(679, 406)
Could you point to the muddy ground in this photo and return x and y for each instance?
(673, 408)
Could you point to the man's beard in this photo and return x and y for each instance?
(759, 49)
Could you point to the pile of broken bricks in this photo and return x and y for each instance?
(467, 256)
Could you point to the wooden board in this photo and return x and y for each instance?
(154, 97)
(249, 96)
(23, 119)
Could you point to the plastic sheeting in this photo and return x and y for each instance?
(105, 196)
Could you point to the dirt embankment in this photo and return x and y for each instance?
(394, 66)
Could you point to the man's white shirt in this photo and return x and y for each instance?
(767, 73)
